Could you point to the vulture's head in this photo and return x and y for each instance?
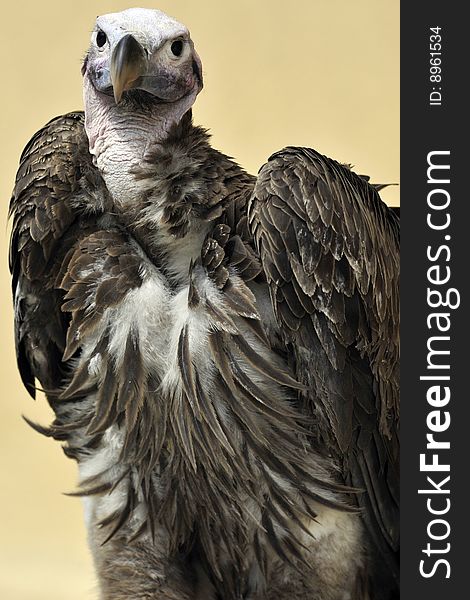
(141, 58)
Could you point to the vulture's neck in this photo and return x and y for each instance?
(157, 170)
(120, 137)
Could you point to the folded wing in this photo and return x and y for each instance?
(330, 251)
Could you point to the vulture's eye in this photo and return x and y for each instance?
(177, 47)
(101, 39)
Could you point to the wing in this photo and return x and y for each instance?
(330, 251)
(55, 200)
(71, 266)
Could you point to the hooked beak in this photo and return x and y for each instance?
(128, 65)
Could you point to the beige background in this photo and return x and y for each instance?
(322, 73)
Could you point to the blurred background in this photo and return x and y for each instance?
(319, 73)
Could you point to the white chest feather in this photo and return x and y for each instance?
(155, 315)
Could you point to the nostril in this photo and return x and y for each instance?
(177, 47)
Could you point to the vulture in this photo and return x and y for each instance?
(220, 350)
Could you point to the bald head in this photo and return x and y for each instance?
(141, 75)
(151, 28)
(146, 50)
